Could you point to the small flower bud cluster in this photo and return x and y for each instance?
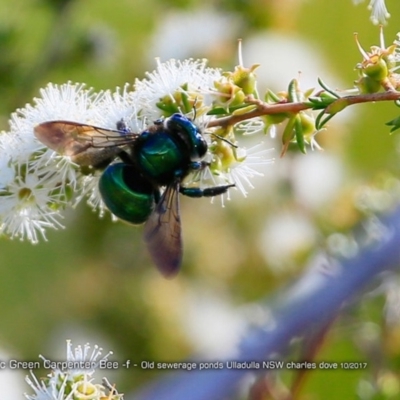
(73, 383)
(300, 127)
(377, 68)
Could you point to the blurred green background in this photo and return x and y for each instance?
(94, 281)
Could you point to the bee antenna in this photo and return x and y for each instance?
(224, 140)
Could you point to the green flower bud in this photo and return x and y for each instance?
(273, 119)
(180, 101)
(224, 156)
(245, 78)
(307, 124)
(377, 65)
(229, 94)
(367, 85)
(376, 68)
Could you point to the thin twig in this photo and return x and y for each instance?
(263, 108)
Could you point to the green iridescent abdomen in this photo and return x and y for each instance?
(126, 193)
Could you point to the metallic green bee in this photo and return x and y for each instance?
(144, 186)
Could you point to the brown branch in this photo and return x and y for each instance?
(390, 95)
(263, 108)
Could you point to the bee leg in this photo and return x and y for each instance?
(199, 165)
(157, 195)
(101, 165)
(224, 140)
(207, 192)
(125, 157)
(122, 154)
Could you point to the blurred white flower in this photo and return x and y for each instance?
(173, 33)
(316, 178)
(213, 325)
(284, 237)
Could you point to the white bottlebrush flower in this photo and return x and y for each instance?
(7, 171)
(26, 198)
(174, 80)
(119, 105)
(395, 58)
(68, 102)
(73, 378)
(379, 12)
(244, 170)
(32, 199)
(238, 168)
(26, 210)
(36, 183)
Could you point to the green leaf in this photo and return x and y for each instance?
(298, 129)
(394, 124)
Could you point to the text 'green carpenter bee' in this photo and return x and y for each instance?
(144, 186)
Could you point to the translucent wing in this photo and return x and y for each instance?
(85, 144)
(162, 232)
